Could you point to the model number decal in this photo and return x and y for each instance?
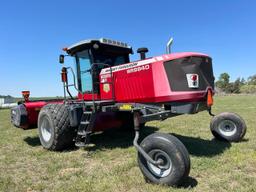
(128, 66)
(137, 69)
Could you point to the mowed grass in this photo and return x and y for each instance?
(110, 162)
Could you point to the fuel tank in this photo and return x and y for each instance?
(176, 77)
(25, 114)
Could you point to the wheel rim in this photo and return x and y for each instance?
(227, 128)
(165, 168)
(46, 129)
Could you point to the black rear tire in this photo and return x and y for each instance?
(173, 153)
(54, 128)
(228, 126)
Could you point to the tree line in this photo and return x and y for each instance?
(6, 96)
(223, 84)
(240, 85)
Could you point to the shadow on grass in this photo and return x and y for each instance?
(244, 140)
(121, 138)
(202, 147)
(189, 183)
(112, 138)
(33, 141)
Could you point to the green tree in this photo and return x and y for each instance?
(252, 80)
(243, 82)
(250, 89)
(236, 86)
(223, 82)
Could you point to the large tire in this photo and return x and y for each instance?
(228, 126)
(54, 128)
(174, 155)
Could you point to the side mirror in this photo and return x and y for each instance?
(61, 59)
(25, 95)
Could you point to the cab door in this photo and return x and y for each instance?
(84, 75)
(85, 79)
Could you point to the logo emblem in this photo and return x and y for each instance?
(106, 88)
(193, 80)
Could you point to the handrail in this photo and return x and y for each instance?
(74, 79)
(91, 70)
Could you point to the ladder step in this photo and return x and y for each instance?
(84, 122)
(81, 133)
(80, 144)
(87, 112)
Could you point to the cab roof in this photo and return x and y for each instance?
(88, 43)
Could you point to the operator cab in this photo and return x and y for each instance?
(98, 54)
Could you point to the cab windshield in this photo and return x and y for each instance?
(85, 59)
(110, 59)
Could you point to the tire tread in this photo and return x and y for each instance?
(63, 133)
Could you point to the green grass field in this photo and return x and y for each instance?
(110, 162)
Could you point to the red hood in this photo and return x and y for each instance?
(173, 56)
(150, 60)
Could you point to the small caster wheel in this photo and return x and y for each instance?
(171, 152)
(228, 126)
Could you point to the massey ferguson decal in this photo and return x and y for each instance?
(118, 68)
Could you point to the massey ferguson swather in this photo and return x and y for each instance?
(114, 92)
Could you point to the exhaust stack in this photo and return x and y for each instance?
(142, 51)
(168, 46)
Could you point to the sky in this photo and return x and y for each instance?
(33, 33)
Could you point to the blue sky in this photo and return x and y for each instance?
(32, 34)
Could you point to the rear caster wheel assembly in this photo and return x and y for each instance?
(228, 126)
(171, 163)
